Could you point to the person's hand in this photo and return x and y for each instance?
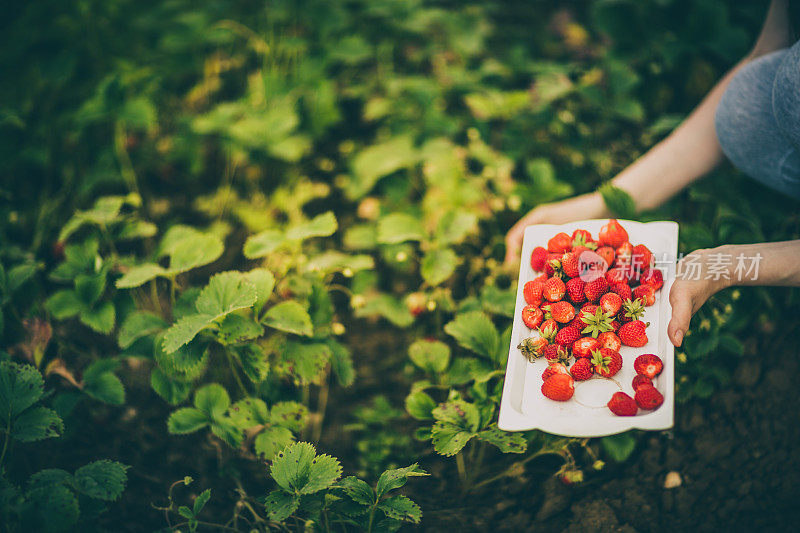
(692, 287)
(578, 208)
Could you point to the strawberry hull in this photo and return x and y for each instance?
(523, 407)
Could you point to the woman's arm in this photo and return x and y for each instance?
(688, 153)
(703, 273)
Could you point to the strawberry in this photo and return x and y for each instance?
(416, 303)
(532, 291)
(554, 368)
(577, 323)
(567, 335)
(609, 340)
(646, 294)
(618, 275)
(560, 243)
(555, 353)
(641, 381)
(642, 257)
(569, 264)
(649, 365)
(575, 288)
(606, 362)
(548, 328)
(610, 303)
(653, 277)
(633, 333)
(623, 289)
(561, 311)
(559, 387)
(613, 234)
(532, 316)
(595, 289)
(581, 237)
(554, 289)
(622, 405)
(624, 254)
(615, 325)
(538, 258)
(589, 309)
(581, 369)
(533, 346)
(648, 398)
(607, 253)
(631, 310)
(584, 346)
(596, 323)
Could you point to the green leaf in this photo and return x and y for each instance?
(185, 512)
(186, 420)
(459, 413)
(201, 501)
(397, 477)
(619, 446)
(53, 508)
(342, 363)
(420, 405)
(475, 331)
(254, 361)
(49, 477)
(271, 441)
(455, 226)
(249, 412)
(184, 330)
(264, 282)
(19, 274)
(731, 344)
(400, 227)
(63, 304)
(105, 387)
(377, 161)
(505, 441)
(237, 328)
(195, 251)
(224, 428)
(280, 505)
(431, 356)
(139, 275)
(137, 325)
(186, 362)
(100, 318)
(263, 244)
(89, 287)
(305, 362)
(358, 490)
(320, 226)
(20, 387)
(618, 201)
(290, 415)
(401, 508)
(389, 308)
(226, 292)
(299, 470)
(449, 440)
(289, 316)
(104, 479)
(498, 301)
(333, 261)
(174, 392)
(37, 423)
(438, 265)
(212, 399)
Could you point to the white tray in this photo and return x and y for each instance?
(523, 407)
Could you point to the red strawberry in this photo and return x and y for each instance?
(622, 405)
(584, 346)
(595, 289)
(609, 340)
(577, 323)
(607, 253)
(554, 289)
(532, 316)
(567, 335)
(606, 362)
(613, 234)
(569, 264)
(641, 381)
(642, 257)
(556, 354)
(559, 387)
(631, 310)
(648, 398)
(532, 291)
(623, 289)
(633, 333)
(618, 275)
(596, 323)
(538, 258)
(649, 365)
(580, 237)
(560, 243)
(646, 294)
(581, 369)
(561, 311)
(610, 303)
(624, 254)
(554, 368)
(615, 325)
(653, 277)
(533, 346)
(548, 328)
(575, 288)
(589, 308)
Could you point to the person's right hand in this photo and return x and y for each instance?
(578, 208)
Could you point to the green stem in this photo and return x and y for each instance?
(5, 443)
(235, 372)
(371, 518)
(125, 165)
(462, 470)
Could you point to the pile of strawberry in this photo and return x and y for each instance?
(569, 317)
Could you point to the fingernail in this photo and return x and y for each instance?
(679, 337)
